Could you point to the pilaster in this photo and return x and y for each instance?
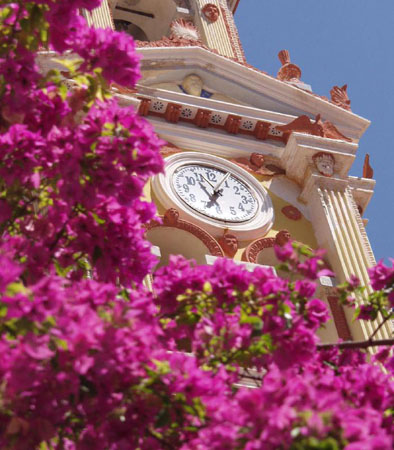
(340, 230)
(100, 17)
(220, 34)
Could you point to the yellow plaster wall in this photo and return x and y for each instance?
(150, 196)
(300, 230)
(179, 242)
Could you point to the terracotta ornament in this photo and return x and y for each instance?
(171, 216)
(331, 131)
(288, 71)
(339, 97)
(257, 159)
(210, 12)
(303, 124)
(169, 149)
(252, 251)
(256, 165)
(203, 118)
(143, 109)
(282, 237)
(232, 124)
(229, 243)
(367, 169)
(324, 163)
(123, 89)
(173, 112)
(182, 29)
(171, 219)
(261, 130)
(182, 34)
(291, 212)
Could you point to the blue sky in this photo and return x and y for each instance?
(338, 42)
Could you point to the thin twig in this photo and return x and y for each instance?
(380, 326)
(357, 344)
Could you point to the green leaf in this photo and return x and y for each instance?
(255, 321)
(63, 91)
(71, 64)
(16, 288)
(3, 310)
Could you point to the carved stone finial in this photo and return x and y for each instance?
(367, 169)
(171, 216)
(324, 163)
(284, 57)
(211, 12)
(339, 97)
(229, 244)
(282, 237)
(288, 71)
(182, 29)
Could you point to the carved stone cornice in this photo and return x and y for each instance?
(315, 181)
(242, 77)
(361, 188)
(175, 112)
(302, 148)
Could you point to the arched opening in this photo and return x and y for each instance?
(145, 20)
(173, 241)
(180, 237)
(130, 28)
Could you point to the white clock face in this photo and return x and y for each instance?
(215, 193)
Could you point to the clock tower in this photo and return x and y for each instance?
(252, 160)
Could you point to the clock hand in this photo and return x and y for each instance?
(205, 190)
(216, 188)
(212, 186)
(212, 197)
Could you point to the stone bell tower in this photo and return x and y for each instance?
(251, 159)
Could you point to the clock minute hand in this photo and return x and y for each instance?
(212, 186)
(216, 188)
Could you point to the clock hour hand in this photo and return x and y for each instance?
(218, 185)
(212, 197)
(205, 189)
